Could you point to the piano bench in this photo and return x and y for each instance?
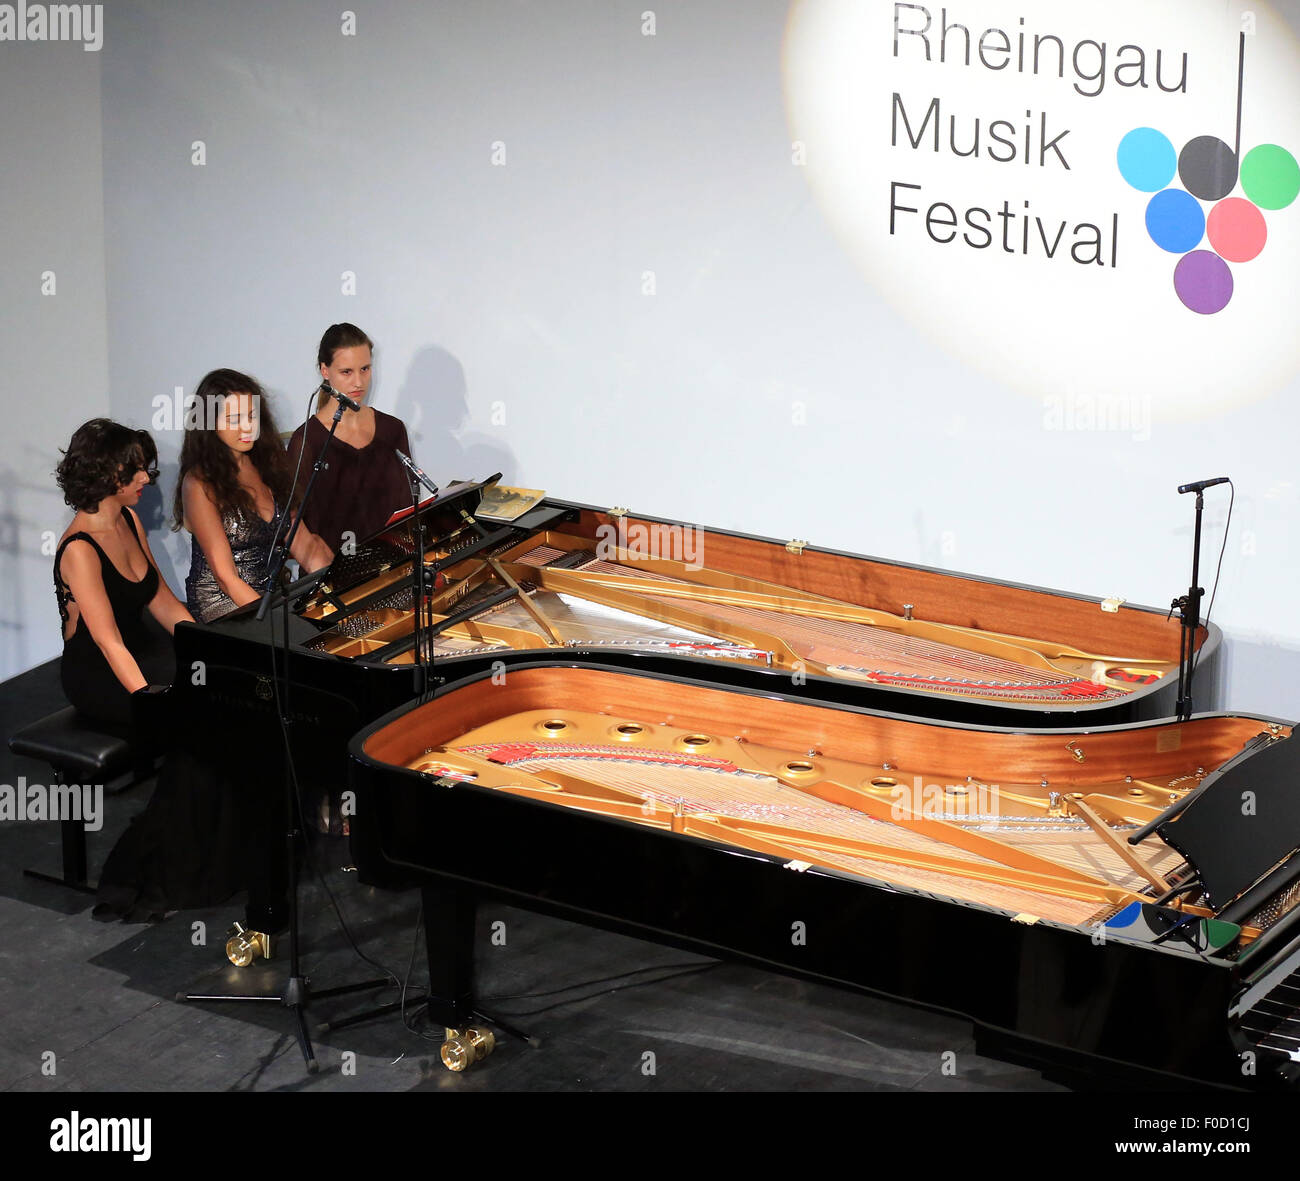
(79, 751)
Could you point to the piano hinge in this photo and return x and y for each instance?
(618, 511)
(795, 545)
(1113, 604)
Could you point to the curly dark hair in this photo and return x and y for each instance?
(102, 457)
(339, 336)
(204, 455)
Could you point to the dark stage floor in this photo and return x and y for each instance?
(92, 1006)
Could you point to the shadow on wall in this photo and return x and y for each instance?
(433, 401)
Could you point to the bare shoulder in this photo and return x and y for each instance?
(79, 558)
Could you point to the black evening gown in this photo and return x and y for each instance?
(184, 850)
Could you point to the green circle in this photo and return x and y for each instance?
(1270, 176)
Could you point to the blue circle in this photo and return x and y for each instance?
(1175, 221)
(1147, 159)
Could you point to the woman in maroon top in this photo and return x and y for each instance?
(364, 483)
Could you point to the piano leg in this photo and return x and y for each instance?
(449, 914)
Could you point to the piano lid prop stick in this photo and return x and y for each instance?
(524, 601)
(1103, 830)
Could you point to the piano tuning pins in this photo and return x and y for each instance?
(907, 610)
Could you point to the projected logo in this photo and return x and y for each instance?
(1208, 170)
(964, 156)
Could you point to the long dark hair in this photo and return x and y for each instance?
(205, 456)
(102, 456)
(338, 336)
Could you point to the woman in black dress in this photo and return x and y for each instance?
(184, 849)
(113, 602)
(364, 483)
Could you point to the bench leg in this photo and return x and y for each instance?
(72, 835)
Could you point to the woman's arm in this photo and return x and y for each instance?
(80, 569)
(203, 520)
(309, 551)
(165, 607)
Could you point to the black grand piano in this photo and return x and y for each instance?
(511, 593)
(1098, 902)
(520, 586)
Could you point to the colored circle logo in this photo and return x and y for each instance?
(1203, 282)
(1207, 167)
(1270, 176)
(1236, 229)
(1175, 221)
(1147, 159)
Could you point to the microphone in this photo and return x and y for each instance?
(416, 471)
(343, 399)
(1202, 485)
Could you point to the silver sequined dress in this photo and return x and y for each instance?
(250, 542)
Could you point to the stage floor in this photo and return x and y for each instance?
(92, 1006)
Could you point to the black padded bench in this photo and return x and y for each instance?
(77, 751)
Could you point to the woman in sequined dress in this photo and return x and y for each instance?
(231, 495)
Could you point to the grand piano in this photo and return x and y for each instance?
(520, 582)
(1119, 901)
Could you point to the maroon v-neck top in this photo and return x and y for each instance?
(360, 488)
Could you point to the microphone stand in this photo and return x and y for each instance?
(1189, 606)
(424, 632)
(297, 994)
(423, 660)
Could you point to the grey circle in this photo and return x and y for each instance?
(1208, 168)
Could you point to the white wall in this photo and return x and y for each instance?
(780, 379)
(53, 347)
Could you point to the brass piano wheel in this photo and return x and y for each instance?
(244, 946)
(462, 1048)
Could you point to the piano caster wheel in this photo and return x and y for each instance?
(463, 1048)
(244, 946)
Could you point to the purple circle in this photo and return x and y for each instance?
(1203, 282)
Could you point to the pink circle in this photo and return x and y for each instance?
(1236, 229)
